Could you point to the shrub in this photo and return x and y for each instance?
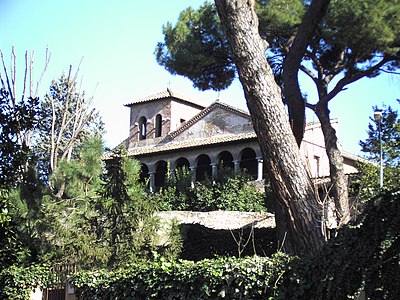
(16, 282)
(226, 193)
(226, 278)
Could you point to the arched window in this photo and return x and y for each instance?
(248, 162)
(161, 172)
(144, 173)
(203, 169)
(182, 163)
(225, 160)
(142, 128)
(226, 166)
(158, 130)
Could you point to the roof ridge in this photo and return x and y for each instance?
(191, 143)
(162, 94)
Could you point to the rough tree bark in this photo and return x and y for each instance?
(296, 107)
(291, 65)
(339, 189)
(298, 217)
(338, 177)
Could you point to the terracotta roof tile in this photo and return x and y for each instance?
(191, 143)
(167, 93)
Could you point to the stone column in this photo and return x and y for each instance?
(152, 181)
(260, 164)
(236, 166)
(214, 171)
(193, 171)
(171, 171)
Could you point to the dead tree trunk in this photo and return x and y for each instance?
(298, 212)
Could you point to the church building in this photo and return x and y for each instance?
(169, 131)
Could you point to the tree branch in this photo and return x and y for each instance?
(292, 63)
(356, 76)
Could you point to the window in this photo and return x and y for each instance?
(142, 128)
(158, 129)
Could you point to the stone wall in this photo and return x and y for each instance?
(223, 233)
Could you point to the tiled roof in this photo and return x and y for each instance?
(354, 157)
(191, 143)
(167, 93)
(316, 124)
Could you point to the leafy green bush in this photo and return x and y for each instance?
(226, 278)
(16, 282)
(225, 193)
(365, 255)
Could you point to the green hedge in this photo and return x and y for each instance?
(220, 278)
(364, 256)
(16, 282)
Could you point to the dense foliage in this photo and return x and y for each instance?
(353, 37)
(198, 33)
(17, 282)
(11, 248)
(15, 119)
(227, 192)
(220, 278)
(366, 184)
(364, 256)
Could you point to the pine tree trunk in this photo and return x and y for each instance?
(291, 64)
(338, 177)
(298, 217)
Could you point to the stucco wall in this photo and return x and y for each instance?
(217, 122)
(181, 111)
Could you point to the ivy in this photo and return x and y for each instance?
(365, 255)
(220, 278)
(16, 282)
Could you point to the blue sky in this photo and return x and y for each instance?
(117, 40)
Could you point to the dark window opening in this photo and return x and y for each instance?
(203, 169)
(158, 130)
(248, 162)
(142, 128)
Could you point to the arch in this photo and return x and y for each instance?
(203, 168)
(158, 128)
(144, 173)
(161, 172)
(248, 162)
(225, 160)
(182, 162)
(142, 128)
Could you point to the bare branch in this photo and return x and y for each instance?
(8, 88)
(47, 61)
(13, 73)
(25, 74)
(356, 76)
(390, 72)
(308, 73)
